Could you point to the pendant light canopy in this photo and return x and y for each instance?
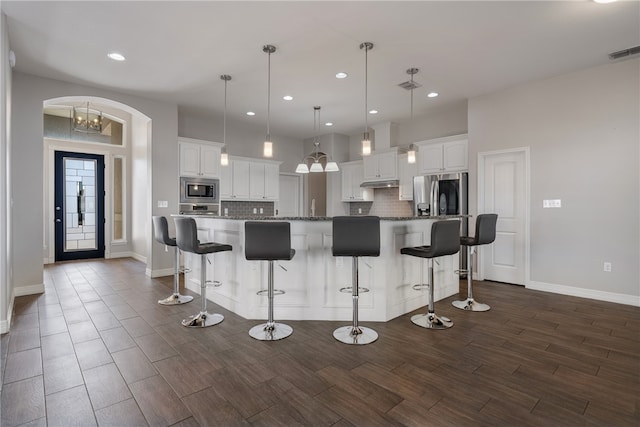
(411, 154)
(366, 141)
(267, 150)
(316, 156)
(224, 156)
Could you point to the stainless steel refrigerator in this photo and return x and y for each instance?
(443, 194)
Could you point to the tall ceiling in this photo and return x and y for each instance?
(176, 52)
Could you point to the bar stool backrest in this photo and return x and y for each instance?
(356, 236)
(445, 238)
(486, 228)
(267, 240)
(187, 235)
(161, 231)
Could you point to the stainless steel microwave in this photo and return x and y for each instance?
(199, 190)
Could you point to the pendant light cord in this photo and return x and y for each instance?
(366, 81)
(269, 97)
(224, 120)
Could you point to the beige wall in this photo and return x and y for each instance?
(583, 132)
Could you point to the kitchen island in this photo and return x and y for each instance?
(312, 279)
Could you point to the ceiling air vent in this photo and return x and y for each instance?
(408, 85)
(625, 52)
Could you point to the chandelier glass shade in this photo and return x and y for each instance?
(315, 160)
(87, 120)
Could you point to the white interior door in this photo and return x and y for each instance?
(503, 186)
(289, 204)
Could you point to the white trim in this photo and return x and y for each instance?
(5, 324)
(127, 254)
(633, 300)
(20, 291)
(162, 272)
(527, 208)
(138, 257)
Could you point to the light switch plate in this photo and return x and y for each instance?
(163, 204)
(552, 203)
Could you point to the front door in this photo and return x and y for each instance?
(79, 205)
(503, 185)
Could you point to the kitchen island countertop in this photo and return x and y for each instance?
(318, 218)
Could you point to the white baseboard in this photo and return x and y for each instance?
(4, 324)
(20, 291)
(160, 272)
(139, 257)
(584, 293)
(127, 254)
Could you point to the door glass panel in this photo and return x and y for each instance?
(80, 204)
(118, 178)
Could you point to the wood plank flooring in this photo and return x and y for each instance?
(97, 349)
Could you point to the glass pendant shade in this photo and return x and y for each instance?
(302, 168)
(366, 146)
(316, 167)
(411, 156)
(224, 158)
(267, 150)
(331, 167)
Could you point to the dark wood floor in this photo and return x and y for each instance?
(96, 348)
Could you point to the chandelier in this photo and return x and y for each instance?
(316, 156)
(87, 120)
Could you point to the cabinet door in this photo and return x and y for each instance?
(256, 181)
(455, 156)
(406, 172)
(370, 167)
(209, 161)
(357, 175)
(388, 165)
(189, 159)
(430, 158)
(226, 181)
(271, 181)
(240, 180)
(346, 184)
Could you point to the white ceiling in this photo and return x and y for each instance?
(176, 51)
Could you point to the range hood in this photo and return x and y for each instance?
(381, 184)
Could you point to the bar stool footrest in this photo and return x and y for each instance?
(270, 332)
(358, 336)
(213, 283)
(420, 286)
(176, 299)
(184, 270)
(349, 290)
(470, 305)
(202, 320)
(266, 292)
(431, 321)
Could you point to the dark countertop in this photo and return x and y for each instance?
(321, 218)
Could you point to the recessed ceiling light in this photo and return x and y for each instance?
(116, 56)
(250, 113)
(373, 111)
(287, 97)
(328, 124)
(432, 94)
(341, 75)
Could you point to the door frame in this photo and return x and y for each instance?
(51, 146)
(482, 156)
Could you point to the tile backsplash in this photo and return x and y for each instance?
(385, 203)
(246, 208)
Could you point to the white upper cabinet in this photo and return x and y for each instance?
(406, 172)
(250, 179)
(381, 165)
(443, 155)
(200, 159)
(352, 174)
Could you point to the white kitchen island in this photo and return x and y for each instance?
(313, 277)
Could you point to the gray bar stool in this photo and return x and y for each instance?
(356, 236)
(445, 240)
(187, 240)
(161, 233)
(269, 241)
(485, 234)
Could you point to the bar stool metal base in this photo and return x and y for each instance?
(431, 321)
(470, 305)
(360, 335)
(202, 320)
(176, 299)
(270, 332)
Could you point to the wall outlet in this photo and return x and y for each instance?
(607, 267)
(261, 210)
(166, 248)
(255, 210)
(163, 204)
(226, 211)
(359, 210)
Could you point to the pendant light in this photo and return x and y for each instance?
(315, 157)
(267, 150)
(366, 141)
(411, 154)
(224, 156)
